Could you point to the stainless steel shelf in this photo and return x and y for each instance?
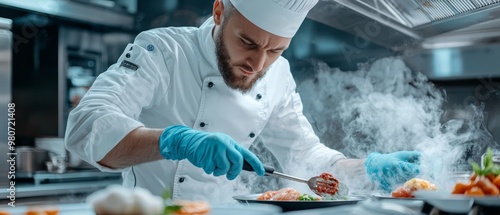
(5, 23)
(41, 177)
(71, 188)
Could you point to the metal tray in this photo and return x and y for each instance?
(300, 205)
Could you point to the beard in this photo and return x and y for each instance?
(241, 83)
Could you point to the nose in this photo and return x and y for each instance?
(257, 61)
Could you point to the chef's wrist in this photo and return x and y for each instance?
(170, 140)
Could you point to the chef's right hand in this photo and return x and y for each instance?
(388, 170)
(216, 153)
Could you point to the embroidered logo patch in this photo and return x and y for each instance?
(129, 65)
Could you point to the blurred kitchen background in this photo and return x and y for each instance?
(51, 51)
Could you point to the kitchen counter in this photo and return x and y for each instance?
(225, 209)
(64, 209)
(56, 189)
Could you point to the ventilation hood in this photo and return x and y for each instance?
(403, 24)
(93, 12)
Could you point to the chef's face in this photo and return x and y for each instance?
(244, 51)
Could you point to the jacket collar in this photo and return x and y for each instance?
(207, 44)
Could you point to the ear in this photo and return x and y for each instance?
(218, 11)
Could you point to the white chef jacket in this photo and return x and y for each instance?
(169, 76)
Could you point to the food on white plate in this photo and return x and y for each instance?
(42, 210)
(190, 208)
(412, 185)
(484, 181)
(118, 200)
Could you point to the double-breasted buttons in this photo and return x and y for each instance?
(202, 124)
(251, 135)
(258, 97)
(210, 84)
(150, 48)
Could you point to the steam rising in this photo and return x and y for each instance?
(384, 107)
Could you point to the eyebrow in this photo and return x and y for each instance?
(244, 36)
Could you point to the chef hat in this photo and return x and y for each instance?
(279, 17)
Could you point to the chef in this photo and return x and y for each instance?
(182, 105)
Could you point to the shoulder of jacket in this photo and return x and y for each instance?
(281, 69)
(169, 36)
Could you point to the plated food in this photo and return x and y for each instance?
(190, 208)
(327, 186)
(412, 185)
(118, 200)
(286, 194)
(484, 182)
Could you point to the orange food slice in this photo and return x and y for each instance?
(474, 191)
(192, 208)
(401, 192)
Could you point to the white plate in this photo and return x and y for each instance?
(413, 203)
(389, 197)
(489, 201)
(446, 201)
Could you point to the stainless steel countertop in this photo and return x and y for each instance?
(68, 188)
(64, 209)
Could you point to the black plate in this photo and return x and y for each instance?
(300, 205)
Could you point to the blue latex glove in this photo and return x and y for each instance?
(215, 153)
(388, 170)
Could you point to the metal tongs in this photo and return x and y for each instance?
(316, 184)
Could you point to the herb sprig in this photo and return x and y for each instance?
(170, 207)
(489, 166)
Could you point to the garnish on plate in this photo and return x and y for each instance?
(485, 181)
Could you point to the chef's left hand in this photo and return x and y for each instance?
(387, 170)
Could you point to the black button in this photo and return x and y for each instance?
(181, 179)
(210, 84)
(252, 135)
(127, 55)
(131, 47)
(258, 97)
(202, 124)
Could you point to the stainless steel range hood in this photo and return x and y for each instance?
(81, 11)
(400, 24)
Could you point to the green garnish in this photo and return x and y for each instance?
(489, 166)
(306, 197)
(170, 207)
(167, 194)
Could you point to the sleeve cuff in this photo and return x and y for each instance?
(107, 132)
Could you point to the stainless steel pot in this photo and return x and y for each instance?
(29, 159)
